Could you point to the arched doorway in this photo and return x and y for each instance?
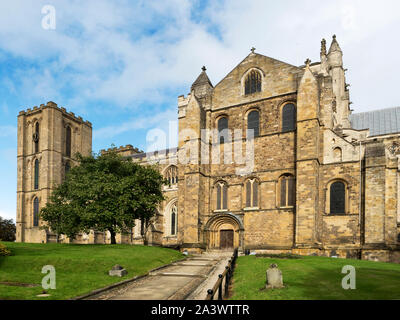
(224, 232)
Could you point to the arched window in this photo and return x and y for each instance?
(338, 198)
(36, 212)
(253, 122)
(36, 175)
(252, 83)
(68, 142)
(288, 117)
(337, 154)
(36, 137)
(287, 191)
(172, 175)
(252, 193)
(174, 224)
(222, 196)
(223, 133)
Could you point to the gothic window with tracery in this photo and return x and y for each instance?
(253, 82)
(172, 175)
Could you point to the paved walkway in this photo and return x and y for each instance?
(188, 279)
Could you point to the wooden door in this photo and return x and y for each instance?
(226, 239)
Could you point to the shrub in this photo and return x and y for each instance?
(4, 251)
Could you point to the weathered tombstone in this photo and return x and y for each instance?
(118, 271)
(274, 277)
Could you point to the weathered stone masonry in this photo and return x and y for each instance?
(328, 186)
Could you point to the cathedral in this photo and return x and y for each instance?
(271, 159)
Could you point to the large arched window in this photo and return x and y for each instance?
(68, 137)
(223, 133)
(338, 198)
(36, 175)
(174, 220)
(252, 193)
(36, 137)
(288, 117)
(287, 191)
(222, 196)
(171, 174)
(253, 122)
(252, 83)
(36, 212)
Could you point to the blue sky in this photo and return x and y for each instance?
(122, 64)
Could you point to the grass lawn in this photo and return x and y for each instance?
(315, 278)
(79, 268)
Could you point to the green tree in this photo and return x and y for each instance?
(105, 193)
(7, 230)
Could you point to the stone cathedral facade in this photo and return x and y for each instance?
(323, 180)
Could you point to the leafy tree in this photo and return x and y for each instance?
(105, 193)
(7, 230)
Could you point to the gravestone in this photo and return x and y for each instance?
(274, 277)
(118, 271)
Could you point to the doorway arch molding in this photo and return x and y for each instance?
(224, 221)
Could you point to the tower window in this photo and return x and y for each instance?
(172, 175)
(36, 175)
(287, 191)
(288, 117)
(253, 122)
(174, 212)
(253, 82)
(223, 132)
(36, 212)
(36, 137)
(68, 142)
(337, 198)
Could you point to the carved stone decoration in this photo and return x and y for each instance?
(323, 47)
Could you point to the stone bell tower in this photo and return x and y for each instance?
(48, 139)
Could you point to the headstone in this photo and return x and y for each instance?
(118, 271)
(274, 277)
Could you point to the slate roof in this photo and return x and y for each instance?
(379, 122)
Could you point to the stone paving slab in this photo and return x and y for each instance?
(174, 282)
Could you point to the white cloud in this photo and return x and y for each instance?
(159, 120)
(130, 53)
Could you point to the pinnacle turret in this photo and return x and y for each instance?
(202, 79)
